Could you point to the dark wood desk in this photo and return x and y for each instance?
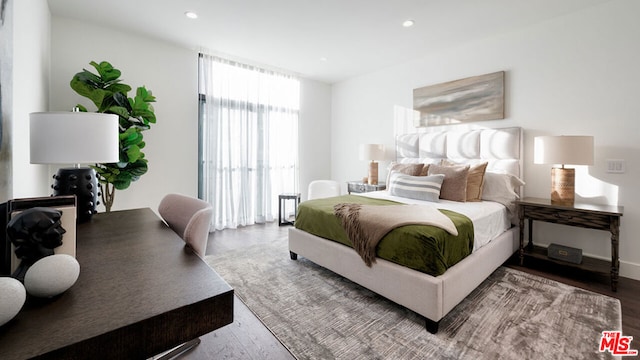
(139, 293)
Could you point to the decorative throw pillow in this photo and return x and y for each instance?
(408, 169)
(501, 188)
(475, 180)
(454, 186)
(425, 170)
(416, 187)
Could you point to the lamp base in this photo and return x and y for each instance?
(563, 186)
(373, 173)
(81, 182)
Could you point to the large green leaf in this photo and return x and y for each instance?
(119, 88)
(121, 100)
(96, 95)
(89, 78)
(123, 182)
(130, 137)
(138, 168)
(119, 110)
(133, 153)
(145, 94)
(107, 71)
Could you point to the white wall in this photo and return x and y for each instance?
(31, 37)
(575, 74)
(171, 73)
(314, 131)
(6, 100)
(168, 71)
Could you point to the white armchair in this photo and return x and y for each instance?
(188, 217)
(323, 189)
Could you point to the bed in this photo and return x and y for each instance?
(435, 295)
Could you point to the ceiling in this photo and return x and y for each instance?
(324, 40)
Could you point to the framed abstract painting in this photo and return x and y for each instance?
(476, 98)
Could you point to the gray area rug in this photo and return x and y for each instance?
(317, 314)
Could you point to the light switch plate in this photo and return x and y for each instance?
(616, 166)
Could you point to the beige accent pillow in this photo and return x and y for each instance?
(425, 170)
(475, 180)
(454, 186)
(407, 169)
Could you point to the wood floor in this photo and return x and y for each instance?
(247, 338)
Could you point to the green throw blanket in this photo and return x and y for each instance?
(424, 248)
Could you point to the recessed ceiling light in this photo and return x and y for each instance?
(191, 15)
(323, 59)
(408, 23)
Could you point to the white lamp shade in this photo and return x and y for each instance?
(371, 152)
(74, 138)
(572, 150)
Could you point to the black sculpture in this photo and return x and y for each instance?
(34, 232)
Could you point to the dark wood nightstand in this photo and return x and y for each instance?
(600, 217)
(362, 187)
(282, 198)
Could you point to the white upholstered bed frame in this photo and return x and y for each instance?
(429, 296)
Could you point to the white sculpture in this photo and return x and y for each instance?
(52, 275)
(12, 297)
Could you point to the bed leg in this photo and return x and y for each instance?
(432, 326)
(293, 255)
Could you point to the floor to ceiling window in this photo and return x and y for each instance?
(248, 146)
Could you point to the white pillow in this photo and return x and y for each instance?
(501, 188)
(416, 187)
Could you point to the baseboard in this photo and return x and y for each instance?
(628, 269)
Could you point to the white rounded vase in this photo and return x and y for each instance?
(52, 275)
(12, 297)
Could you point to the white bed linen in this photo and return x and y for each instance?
(489, 218)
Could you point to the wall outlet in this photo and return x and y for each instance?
(616, 166)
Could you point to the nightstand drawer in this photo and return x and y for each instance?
(568, 217)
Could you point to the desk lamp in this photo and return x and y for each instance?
(372, 152)
(75, 138)
(574, 150)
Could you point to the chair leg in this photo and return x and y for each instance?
(179, 350)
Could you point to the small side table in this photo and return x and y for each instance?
(362, 187)
(600, 217)
(282, 198)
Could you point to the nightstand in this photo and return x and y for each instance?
(362, 187)
(600, 217)
(282, 206)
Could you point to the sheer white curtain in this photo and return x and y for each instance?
(248, 140)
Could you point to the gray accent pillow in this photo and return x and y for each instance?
(416, 187)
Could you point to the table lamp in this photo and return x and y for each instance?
(75, 138)
(573, 150)
(372, 152)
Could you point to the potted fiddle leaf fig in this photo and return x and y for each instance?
(107, 92)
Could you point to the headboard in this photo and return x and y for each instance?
(501, 148)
